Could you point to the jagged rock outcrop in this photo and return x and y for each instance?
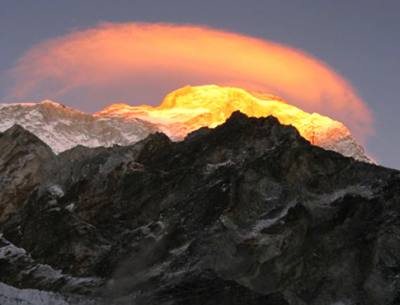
(246, 213)
(22, 160)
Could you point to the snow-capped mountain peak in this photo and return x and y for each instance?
(181, 112)
(189, 108)
(62, 127)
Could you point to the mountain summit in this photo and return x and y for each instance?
(189, 108)
(181, 112)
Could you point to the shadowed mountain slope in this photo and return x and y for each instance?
(246, 213)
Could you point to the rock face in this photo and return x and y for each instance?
(62, 127)
(246, 213)
(22, 160)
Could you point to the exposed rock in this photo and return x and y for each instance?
(22, 158)
(246, 213)
(19, 269)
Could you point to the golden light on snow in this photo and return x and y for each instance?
(190, 108)
(122, 61)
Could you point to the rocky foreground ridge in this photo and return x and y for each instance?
(246, 213)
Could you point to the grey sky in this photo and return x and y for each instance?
(360, 39)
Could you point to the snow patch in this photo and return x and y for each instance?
(56, 191)
(13, 296)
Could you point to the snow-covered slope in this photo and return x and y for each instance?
(189, 108)
(62, 127)
(14, 296)
(182, 111)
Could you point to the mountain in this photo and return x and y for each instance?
(181, 112)
(190, 108)
(22, 160)
(62, 127)
(248, 213)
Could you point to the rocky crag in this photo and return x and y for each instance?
(246, 213)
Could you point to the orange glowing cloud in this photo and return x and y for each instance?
(140, 62)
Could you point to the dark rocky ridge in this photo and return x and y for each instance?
(22, 160)
(246, 213)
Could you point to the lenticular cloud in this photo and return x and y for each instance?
(140, 62)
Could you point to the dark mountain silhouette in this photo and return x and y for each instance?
(246, 213)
